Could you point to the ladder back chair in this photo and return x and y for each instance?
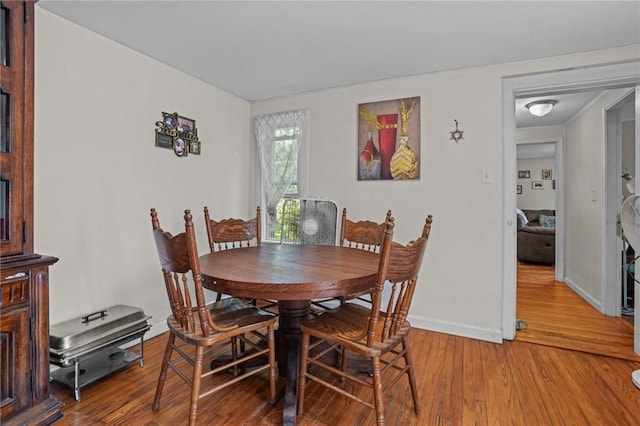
(197, 330)
(231, 233)
(362, 235)
(377, 332)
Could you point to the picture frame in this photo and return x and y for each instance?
(169, 120)
(537, 184)
(178, 133)
(180, 147)
(554, 184)
(518, 189)
(194, 147)
(547, 174)
(388, 140)
(185, 124)
(164, 140)
(524, 174)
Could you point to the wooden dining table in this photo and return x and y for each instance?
(293, 275)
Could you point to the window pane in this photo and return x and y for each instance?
(4, 210)
(4, 36)
(286, 158)
(4, 122)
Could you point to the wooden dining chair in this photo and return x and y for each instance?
(378, 332)
(231, 233)
(362, 235)
(197, 330)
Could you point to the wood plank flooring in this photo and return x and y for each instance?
(557, 316)
(460, 381)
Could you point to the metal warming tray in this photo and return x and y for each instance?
(92, 340)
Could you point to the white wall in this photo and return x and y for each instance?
(460, 288)
(584, 172)
(97, 171)
(530, 198)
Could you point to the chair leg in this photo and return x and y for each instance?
(377, 391)
(234, 354)
(412, 380)
(344, 360)
(195, 385)
(163, 371)
(272, 364)
(302, 376)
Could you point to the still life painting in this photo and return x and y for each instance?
(389, 140)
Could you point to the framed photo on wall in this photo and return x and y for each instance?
(524, 174)
(537, 184)
(518, 189)
(546, 174)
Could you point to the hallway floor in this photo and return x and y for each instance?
(557, 316)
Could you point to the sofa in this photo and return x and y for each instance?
(536, 236)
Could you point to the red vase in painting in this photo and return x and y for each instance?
(387, 141)
(369, 161)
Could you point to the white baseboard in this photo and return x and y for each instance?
(462, 330)
(590, 300)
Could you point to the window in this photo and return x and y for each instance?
(279, 138)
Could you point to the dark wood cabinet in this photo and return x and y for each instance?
(25, 394)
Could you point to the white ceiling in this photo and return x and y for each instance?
(264, 49)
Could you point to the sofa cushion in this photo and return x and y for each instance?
(532, 215)
(547, 221)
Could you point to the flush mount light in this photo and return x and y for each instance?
(540, 108)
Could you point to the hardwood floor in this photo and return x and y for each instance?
(557, 316)
(460, 381)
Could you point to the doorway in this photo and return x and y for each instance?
(621, 160)
(605, 77)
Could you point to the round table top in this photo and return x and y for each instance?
(289, 271)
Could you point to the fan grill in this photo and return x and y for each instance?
(309, 221)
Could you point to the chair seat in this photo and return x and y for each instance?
(233, 311)
(230, 313)
(347, 326)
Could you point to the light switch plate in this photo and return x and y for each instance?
(487, 175)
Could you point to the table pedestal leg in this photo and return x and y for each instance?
(292, 313)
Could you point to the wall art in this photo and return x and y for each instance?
(524, 174)
(178, 133)
(389, 140)
(457, 134)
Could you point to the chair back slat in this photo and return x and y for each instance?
(398, 270)
(178, 256)
(232, 233)
(364, 234)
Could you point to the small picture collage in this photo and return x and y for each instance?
(178, 133)
(546, 174)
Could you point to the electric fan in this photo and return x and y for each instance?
(630, 218)
(309, 221)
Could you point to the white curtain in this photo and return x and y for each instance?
(276, 180)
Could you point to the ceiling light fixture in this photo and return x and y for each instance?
(540, 108)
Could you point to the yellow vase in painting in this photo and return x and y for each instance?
(404, 164)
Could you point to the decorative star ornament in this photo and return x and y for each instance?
(456, 135)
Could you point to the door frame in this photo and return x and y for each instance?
(611, 291)
(604, 77)
(558, 172)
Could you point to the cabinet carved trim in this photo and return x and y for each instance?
(25, 394)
